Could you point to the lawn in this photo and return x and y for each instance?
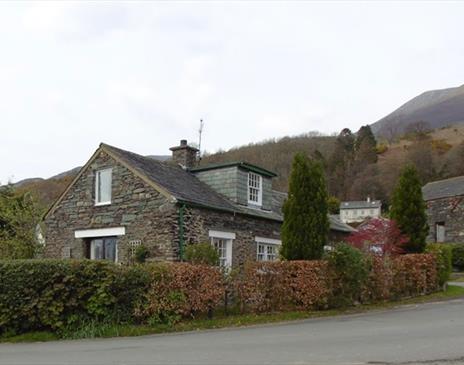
(222, 321)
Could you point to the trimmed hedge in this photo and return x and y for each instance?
(180, 290)
(444, 256)
(272, 286)
(458, 256)
(54, 294)
(60, 295)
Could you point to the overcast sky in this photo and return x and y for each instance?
(141, 75)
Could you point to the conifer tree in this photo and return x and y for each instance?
(306, 223)
(408, 210)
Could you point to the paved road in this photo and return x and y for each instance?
(413, 334)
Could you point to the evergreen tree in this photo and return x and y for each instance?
(306, 222)
(408, 210)
(340, 164)
(365, 145)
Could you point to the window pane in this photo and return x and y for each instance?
(96, 249)
(103, 192)
(110, 249)
(221, 247)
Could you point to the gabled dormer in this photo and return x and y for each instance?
(241, 182)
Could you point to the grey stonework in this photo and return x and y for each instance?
(145, 213)
(147, 216)
(449, 211)
(198, 223)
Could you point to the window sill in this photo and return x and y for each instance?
(254, 205)
(102, 204)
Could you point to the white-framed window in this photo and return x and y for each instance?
(103, 187)
(222, 242)
(255, 188)
(267, 249)
(104, 248)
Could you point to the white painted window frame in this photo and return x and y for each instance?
(229, 237)
(97, 186)
(264, 241)
(260, 188)
(101, 233)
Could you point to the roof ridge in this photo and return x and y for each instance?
(442, 180)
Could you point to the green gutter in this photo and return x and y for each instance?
(181, 232)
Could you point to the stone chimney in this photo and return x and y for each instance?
(184, 155)
(368, 199)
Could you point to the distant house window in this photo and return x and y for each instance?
(267, 249)
(222, 242)
(103, 249)
(372, 212)
(103, 187)
(255, 189)
(440, 232)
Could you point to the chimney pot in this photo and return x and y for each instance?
(183, 142)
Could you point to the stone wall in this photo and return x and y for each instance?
(451, 212)
(147, 215)
(198, 223)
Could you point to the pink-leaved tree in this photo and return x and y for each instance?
(379, 236)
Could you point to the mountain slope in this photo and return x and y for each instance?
(438, 108)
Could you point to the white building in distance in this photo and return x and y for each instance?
(358, 211)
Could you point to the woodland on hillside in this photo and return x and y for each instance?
(356, 164)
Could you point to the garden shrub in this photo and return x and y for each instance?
(141, 254)
(349, 269)
(272, 286)
(180, 290)
(458, 256)
(202, 254)
(444, 255)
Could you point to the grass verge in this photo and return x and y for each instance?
(222, 321)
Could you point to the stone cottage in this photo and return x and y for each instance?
(120, 200)
(445, 210)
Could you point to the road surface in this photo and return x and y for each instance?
(430, 333)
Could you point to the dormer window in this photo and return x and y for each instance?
(255, 189)
(103, 187)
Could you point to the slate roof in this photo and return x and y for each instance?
(242, 164)
(362, 204)
(181, 184)
(444, 188)
(186, 187)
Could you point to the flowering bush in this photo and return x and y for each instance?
(380, 236)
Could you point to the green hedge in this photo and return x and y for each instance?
(55, 294)
(444, 254)
(65, 295)
(458, 256)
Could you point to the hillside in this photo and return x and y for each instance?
(438, 108)
(438, 155)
